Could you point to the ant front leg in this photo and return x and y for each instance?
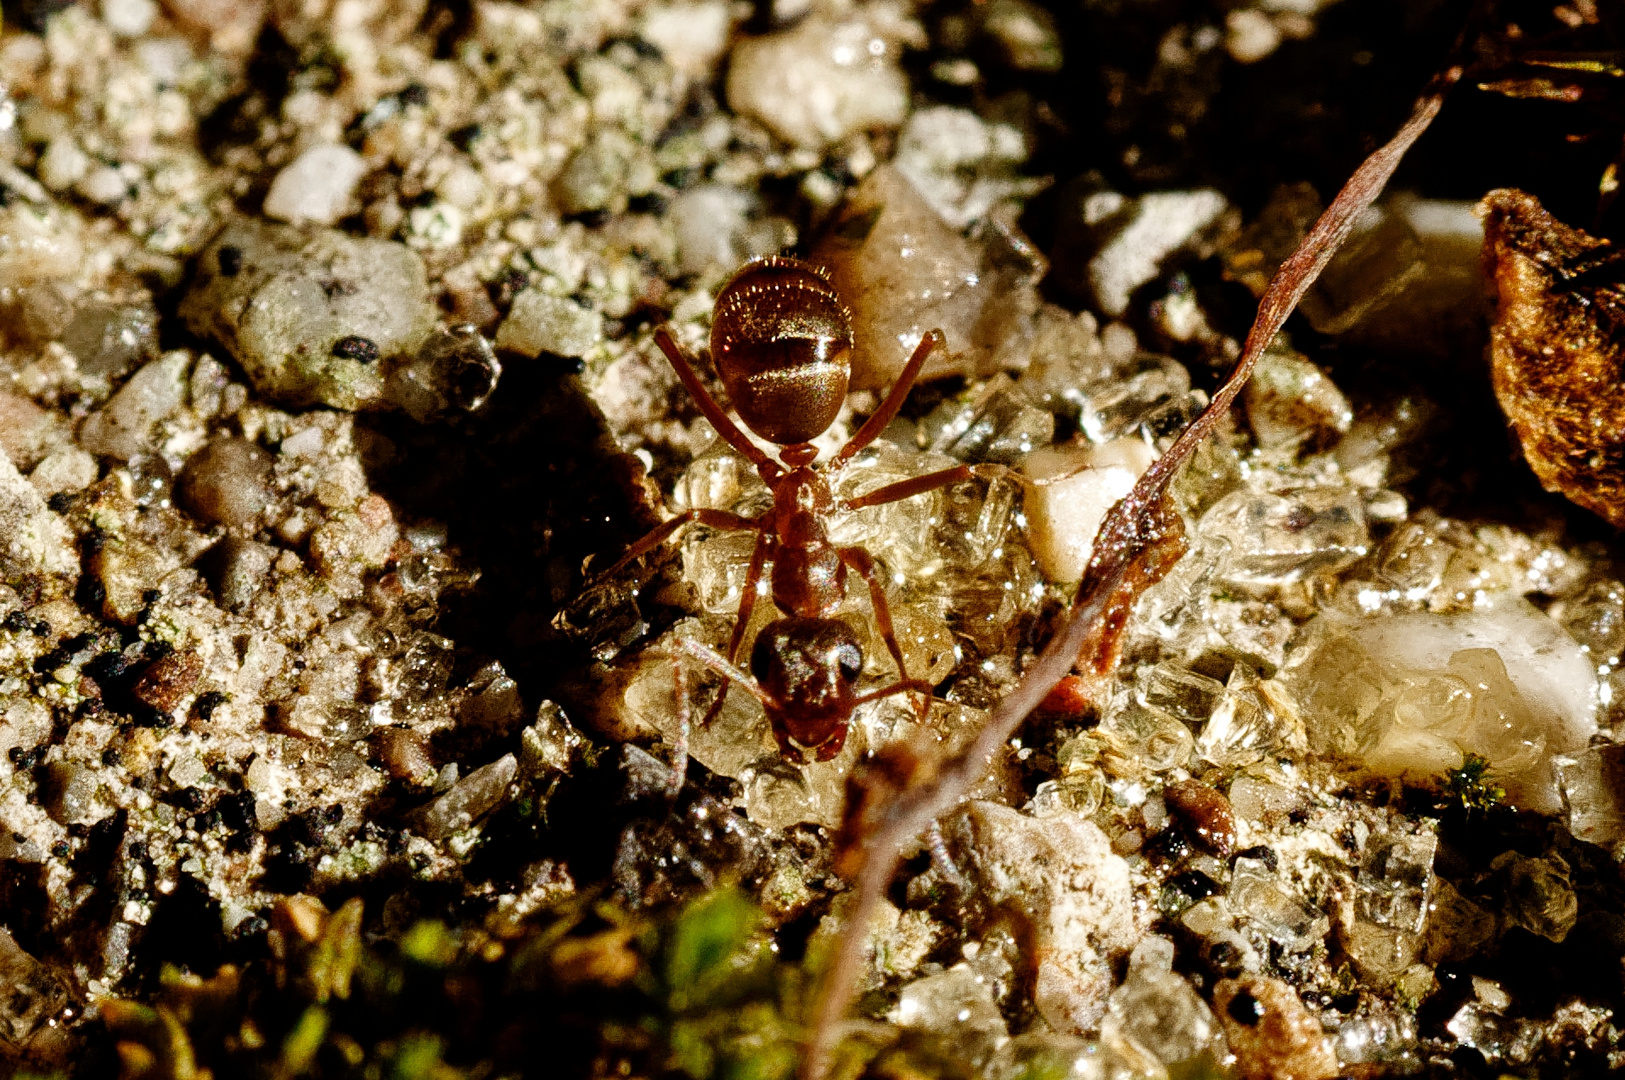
(714, 519)
(864, 563)
(747, 607)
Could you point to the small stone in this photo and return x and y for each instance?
(1281, 538)
(32, 996)
(1069, 490)
(67, 471)
(1204, 814)
(227, 483)
(1271, 1033)
(1024, 34)
(691, 35)
(1396, 880)
(69, 793)
(474, 796)
(124, 427)
(1593, 784)
(1250, 35)
(27, 431)
(957, 1003)
(1117, 244)
(904, 272)
(604, 174)
(316, 187)
(1381, 259)
(168, 680)
(295, 294)
(237, 570)
(129, 18)
(1060, 872)
(32, 539)
(823, 80)
(405, 754)
(542, 323)
(1292, 404)
(108, 340)
(1259, 894)
(1159, 1009)
(1539, 895)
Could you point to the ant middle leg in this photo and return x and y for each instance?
(864, 563)
(725, 428)
(747, 607)
(871, 429)
(713, 519)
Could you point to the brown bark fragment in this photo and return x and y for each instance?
(1558, 349)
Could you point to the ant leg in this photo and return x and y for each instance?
(902, 686)
(727, 429)
(864, 563)
(747, 606)
(872, 427)
(904, 489)
(708, 656)
(715, 519)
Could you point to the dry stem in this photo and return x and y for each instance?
(1138, 543)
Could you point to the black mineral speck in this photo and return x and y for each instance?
(16, 622)
(112, 756)
(1263, 853)
(415, 94)
(1246, 1009)
(61, 502)
(230, 260)
(355, 348)
(207, 702)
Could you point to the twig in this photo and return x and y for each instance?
(1140, 540)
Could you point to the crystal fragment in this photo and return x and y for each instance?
(1593, 785)
(999, 425)
(1080, 793)
(1292, 404)
(1159, 1009)
(1278, 539)
(29, 994)
(1379, 260)
(1180, 692)
(1378, 1038)
(1260, 801)
(1396, 879)
(1254, 719)
(1069, 490)
(1596, 619)
(1150, 737)
(1262, 897)
(957, 1003)
(1149, 383)
(1539, 895)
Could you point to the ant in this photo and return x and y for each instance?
(782, 342)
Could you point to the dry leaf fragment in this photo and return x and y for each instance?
(1558, 349)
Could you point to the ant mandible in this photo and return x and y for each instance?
(782, 343)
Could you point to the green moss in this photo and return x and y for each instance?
(1472, 786)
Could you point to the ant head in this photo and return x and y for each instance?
(782, 342)
(808, 667)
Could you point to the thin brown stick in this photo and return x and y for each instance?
(1138, 543)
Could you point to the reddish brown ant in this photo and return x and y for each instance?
(782, 342)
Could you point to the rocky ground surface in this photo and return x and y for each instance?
(328, 375)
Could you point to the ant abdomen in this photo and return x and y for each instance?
(782, 343)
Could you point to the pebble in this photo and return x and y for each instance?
(822, 80)
(540, 323)
(903, 272)
(227, 483)
(1204, 814)
(32, 539)
(1126, 240)
(1270, 1031)
(1291, 403)
(1069, 488)
(281, 298)
(124, 427)
(316, 187)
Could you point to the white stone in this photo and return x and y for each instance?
(123, 427)
(821, 81)
(1160, 224)
(708, 219)
(105, 185)
(63, 164)
(32, 539)
(1060, 873)
(691, 36)
(539, 322)
(1069, 489)
(1250, 35)
(129, 18)
(315, 187)
(70, 469)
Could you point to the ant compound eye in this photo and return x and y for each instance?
(850, 660)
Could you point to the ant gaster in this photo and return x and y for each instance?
(782, 343)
